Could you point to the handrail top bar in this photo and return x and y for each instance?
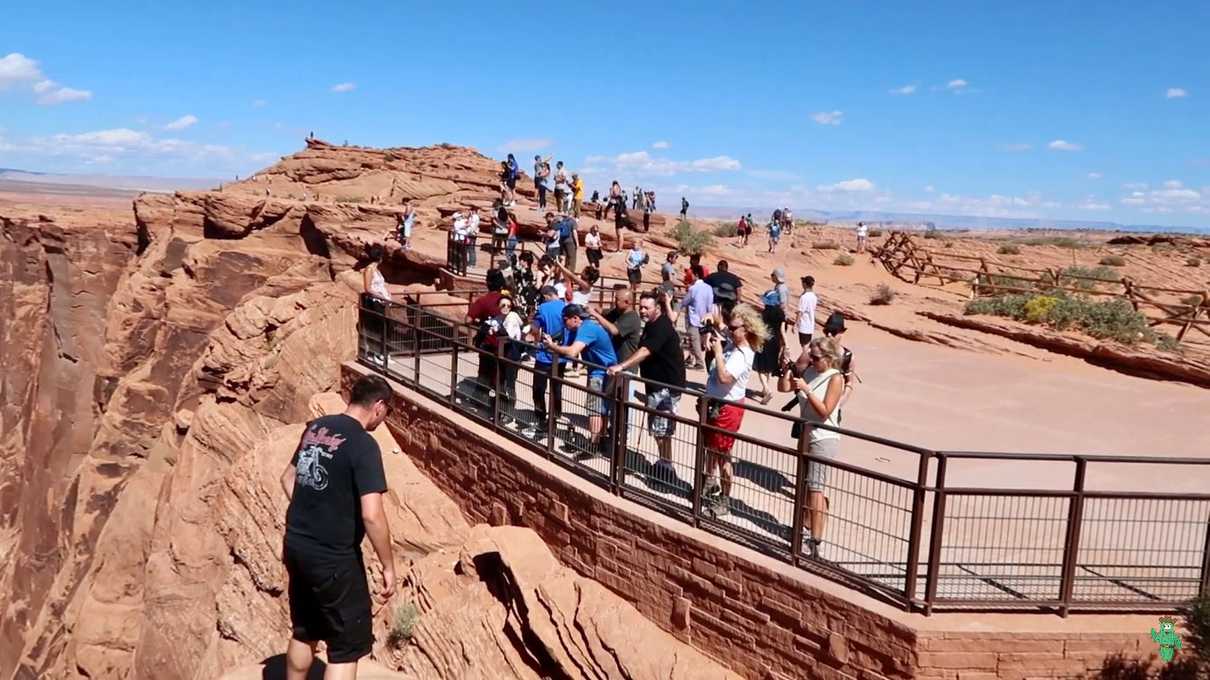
(1073, 457)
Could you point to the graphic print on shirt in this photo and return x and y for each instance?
(317, 446)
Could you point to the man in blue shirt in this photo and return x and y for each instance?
(587, 339)
(699, 300)
(547, 321)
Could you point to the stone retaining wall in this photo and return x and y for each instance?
(758, 616)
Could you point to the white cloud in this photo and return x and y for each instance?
(187, 120)
(525, 144)
(344, 87)
(51, 93)
(928, 189)
(1173, 197)
(642, 163)
(1091, 203)
(1064, 145)
(259, 103)
(660, 145)
(905, 90)
(1134, 186)
(957, 85)
(1095, 175)
(828, 117)
(859, 184)
(1017, 148)
(16, 69)
(1176, 93)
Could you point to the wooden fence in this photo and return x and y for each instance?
(1186, 308)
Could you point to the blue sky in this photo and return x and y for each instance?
(1075, 110)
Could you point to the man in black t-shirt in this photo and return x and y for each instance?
(335, 483)
(725, 284)
(660, 360)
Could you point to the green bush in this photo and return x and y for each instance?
(690, 240)
(1196, 622)
(1193, 262)
(875, 233)
(725, 229)
(403, 621)
(883, 295)
(1008, 249)
(826, 245)
(1113, 261)
(1101, 273)
(1192, 300)
(843, 260)
(350, 199)
(1114, 319)
(1057, 241)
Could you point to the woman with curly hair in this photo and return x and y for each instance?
(726, 389)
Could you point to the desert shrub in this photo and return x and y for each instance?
(883, 295)
(948, 244)
(350, 199)
(725, 229)
(874, 233)
(1193, 262)
(1100, 273)
(1057, 241)
(690, 240)
(1038, 309)
(1196, 620)
(1113, 319)
(1001, 281)
(403, 620)
(843, 260)
(932, 234)
(826, 245)
(1121, 667)
(1192, 300)
(1113, 261)
(1008, 249)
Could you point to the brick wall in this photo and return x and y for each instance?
(759, 617)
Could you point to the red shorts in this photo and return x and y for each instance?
(729, 418)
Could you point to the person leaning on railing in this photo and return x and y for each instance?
(819, 387)
(660, 361)
(374, 300)
(586, 339)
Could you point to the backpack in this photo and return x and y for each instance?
(566, 227)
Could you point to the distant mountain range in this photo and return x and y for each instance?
(133, 183)
(940, 221)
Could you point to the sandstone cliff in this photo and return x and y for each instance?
(155, 375)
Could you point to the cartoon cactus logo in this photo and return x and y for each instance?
(1167, 638)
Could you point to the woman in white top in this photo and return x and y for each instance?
(375, 300)
(726, 388)
(510, 326)
(592, 246)
(819, 388)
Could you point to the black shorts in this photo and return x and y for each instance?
(634, 276)
(511, 182)
(804, 339)
(331, 603)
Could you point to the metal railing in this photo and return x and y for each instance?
(916, 532)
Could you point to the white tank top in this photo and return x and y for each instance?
(819, 387)
(378, 285)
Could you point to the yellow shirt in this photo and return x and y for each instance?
(578, 188)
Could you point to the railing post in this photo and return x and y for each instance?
(935, 537)
(621, 430)
(800, 498)
(416, 318)
(551, 404)
(1205, 581)
(386, 325)
(913, 556)
(1071, 544)
(496, 379)
(454, 367)
(699, 464)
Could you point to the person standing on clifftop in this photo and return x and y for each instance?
(562, 189)
(513, 171)
(541, 172)
(577, 194)
(618, 203)
(684, 208)
(335, 484)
